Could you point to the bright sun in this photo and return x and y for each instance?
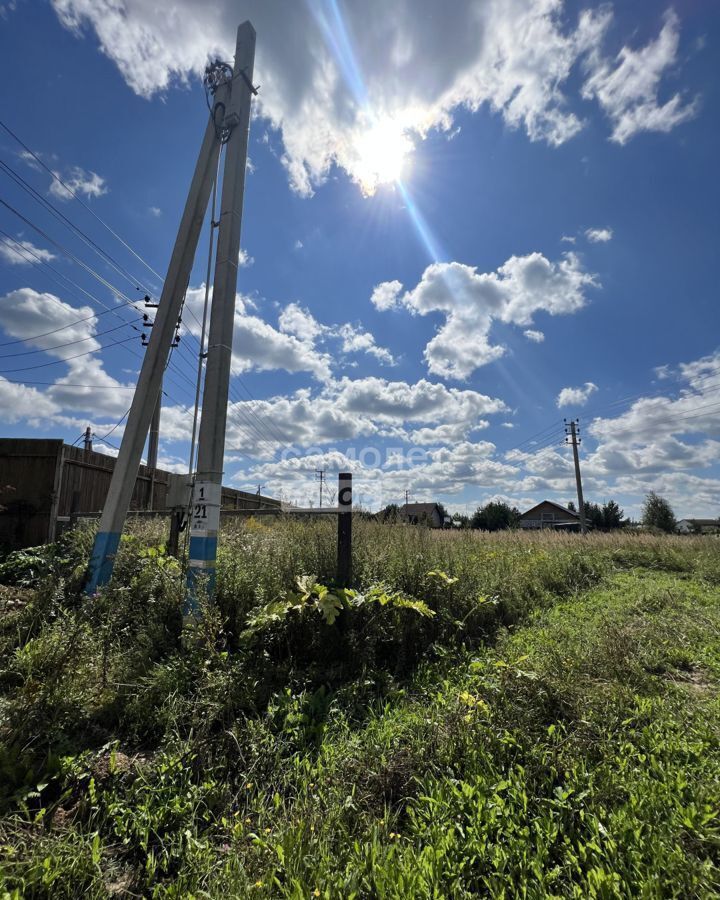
(383, 153)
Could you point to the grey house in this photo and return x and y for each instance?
(698, 526)
(422, 514)
(550, 515)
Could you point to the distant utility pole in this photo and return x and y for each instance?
(574, 426)
(87, 440)
(259, 501)
(207, 487)
(407, 494)
(320, 476)
(228, 123)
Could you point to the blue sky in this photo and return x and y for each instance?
(454, 239)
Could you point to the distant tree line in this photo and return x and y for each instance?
(602, 518)
(497, 515)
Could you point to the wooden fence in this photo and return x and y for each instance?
(42, 481)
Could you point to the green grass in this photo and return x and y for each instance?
(551, 731)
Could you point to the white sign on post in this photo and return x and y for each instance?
(205, 512)
(345, 492)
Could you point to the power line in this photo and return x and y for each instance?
(107, 308)
(88, 240)
(63, 384)
(659, 393)
(247, 422)
(56, 362)
(35, 337)
(91, 337)
(115, 426)
(61, 217)
(79, 200)
(89, 269)
(40, 261)
(103, 441)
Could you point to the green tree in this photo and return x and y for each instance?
(391, 513)
(657, 513)
(495, 516)
(612, 515)
(593, 515)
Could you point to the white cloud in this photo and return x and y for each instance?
(576, 396)
(28, 315)
(258, 345)
(7, 8)
(537, 337)
(445, 470)
(155, 211)
(649, 419)
(102, 395)
(298, 245)
(599, 235)
(30, 159)
(26, 312)
(24, 253)
(364, 67)
(244, 259)
(422, 401)
(348, 409)
(640, 450)
(294, 319)
(20, 402)
(78, 181)
(444, 434)
(627, 88)
(355, 340)
(385, 295)
(470, 301)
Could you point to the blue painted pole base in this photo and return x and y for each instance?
(102, 560)
(201, 572)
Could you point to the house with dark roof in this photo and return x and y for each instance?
(423, 514)
(550, 515)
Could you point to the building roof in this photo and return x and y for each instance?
(701, 521)
(563, 509)
(419, 509)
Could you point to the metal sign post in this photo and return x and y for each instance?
(344, 532)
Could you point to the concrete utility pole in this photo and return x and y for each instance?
(207, 489)
(87, 440)
(149, 383)
(575, 440)
(153, 444)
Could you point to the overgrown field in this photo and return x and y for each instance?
(504, 715)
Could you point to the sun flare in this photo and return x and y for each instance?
(383, 154)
